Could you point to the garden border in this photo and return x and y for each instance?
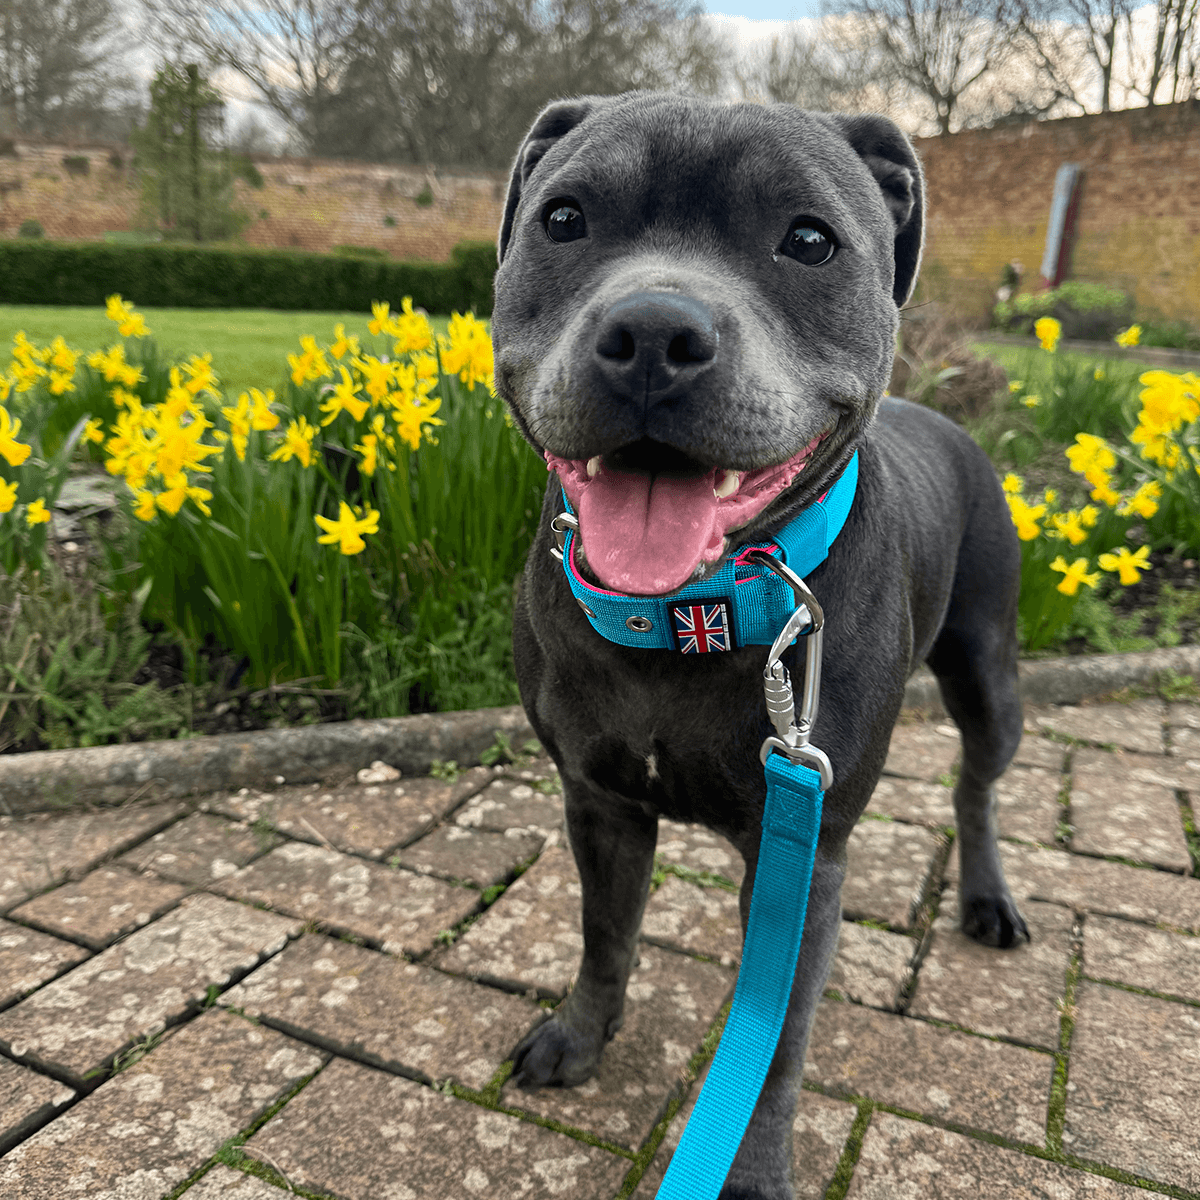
(1151, 356)
(57, 780)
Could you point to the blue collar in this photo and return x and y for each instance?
(740, 605)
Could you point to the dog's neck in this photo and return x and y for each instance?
(739, 605)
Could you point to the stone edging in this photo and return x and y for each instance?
(59, 779)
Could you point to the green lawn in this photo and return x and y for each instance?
(249, 346)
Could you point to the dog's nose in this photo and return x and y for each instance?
(650, 341)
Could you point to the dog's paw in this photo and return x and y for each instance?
(555, 1055)
(994, 921)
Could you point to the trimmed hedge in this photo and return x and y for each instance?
(174, 276)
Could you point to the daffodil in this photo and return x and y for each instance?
(1025, 517)
(261, 416)
(1128, 566)
(344, 398)
(37, 513)
(1031, 401)
(1015, 386)
(1048, 331)
(13, 451)
(412, 330)
(1130, 336)
(1012, 484)
(1143, 502)
(467, 352)
(1069, 527)
(343, 343)
(93, 431)
(346, 531)
(8, 495)
(1073, 575)
(297, 443)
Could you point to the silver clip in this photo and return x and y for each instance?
(559, 526)
(807, 621)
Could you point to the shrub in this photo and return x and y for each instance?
(424, 198)
(1085, 310)
(175, 276)
(31, 229)
(359, 251)
(77, 164)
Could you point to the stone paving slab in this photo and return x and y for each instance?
(697, 920)
(952, 1076)
(1161, 769)
(1027, 804)
(819, 1135)
(532, 937)
(147, 1129)
(365, 1135)
(670, 1005)
(477, 856)
(102, 906)
(1012, 993)
(698, 849)
(888, 871)
(402, 911)
(1115, 815)
(29, 958)
(1093, 885)
(367, 820)
(1142, 957)
(46, 849)
(512, 804)
(142, 984)
(872, 966)
(393, 1014)
(924, 750)
(902, 1158)
(27, 1100)
(1037, 750)
(1134, 726)
(1134, 1079)
(222, 1183)
(199, 849)
(913, 801)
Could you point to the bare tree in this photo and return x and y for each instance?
(293, 52)
(58, 65)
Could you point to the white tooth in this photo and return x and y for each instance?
(728, 485)
(593, 467)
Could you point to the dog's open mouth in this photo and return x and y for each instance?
(649, 516)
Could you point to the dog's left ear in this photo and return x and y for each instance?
(889, 156)
(554, 122)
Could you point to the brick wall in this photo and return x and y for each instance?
(1139, 211)
(310, 204)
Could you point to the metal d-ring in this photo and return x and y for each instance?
(562, 524)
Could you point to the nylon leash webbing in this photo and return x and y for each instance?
(791, 822)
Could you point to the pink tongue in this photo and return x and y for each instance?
(646, 536)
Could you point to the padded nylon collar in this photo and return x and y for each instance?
(740, 605)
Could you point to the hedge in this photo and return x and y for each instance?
(174, 276)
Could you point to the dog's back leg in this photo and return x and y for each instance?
(975, 661)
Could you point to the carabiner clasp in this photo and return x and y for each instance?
(792, 731)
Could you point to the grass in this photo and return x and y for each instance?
(249, 345)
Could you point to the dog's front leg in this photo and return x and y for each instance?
(762, 1169)
(613, 842)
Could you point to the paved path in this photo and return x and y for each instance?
(315, 989)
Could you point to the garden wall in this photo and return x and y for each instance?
(1139, 207)
(306, 204)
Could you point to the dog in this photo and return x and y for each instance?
(695, 318)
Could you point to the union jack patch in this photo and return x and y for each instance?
(701, 628)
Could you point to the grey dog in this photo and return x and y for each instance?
(695, 321)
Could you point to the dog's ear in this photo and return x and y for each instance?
(890, 157)
(554, 122)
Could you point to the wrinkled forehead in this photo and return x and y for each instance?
(710, 163)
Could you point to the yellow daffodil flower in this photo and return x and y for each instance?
(37, 513)
(1143, 502)
(93, 431)
(1025, 517)
(369, 449)
(297, 443)
(8, 496)
(344, 398)
(1031, 401)
(1069, 527)
(1012, 484)
(145, 508)
(343, 344)
(14, 452)
(1047, 331)
(1098, 373)
(1130, 336)
(1129, 567)
(467, 352)
(201, 376)
(412, 330)
(1074, 575)
(346, 530)
(1015, 386)
(261, 416)
(381, 321)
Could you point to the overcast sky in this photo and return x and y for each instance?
(764, 10)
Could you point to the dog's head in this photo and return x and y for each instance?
(695, 314)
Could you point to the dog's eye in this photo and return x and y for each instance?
(809, 243)
(564, 222)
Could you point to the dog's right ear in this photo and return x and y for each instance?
(555, 121)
